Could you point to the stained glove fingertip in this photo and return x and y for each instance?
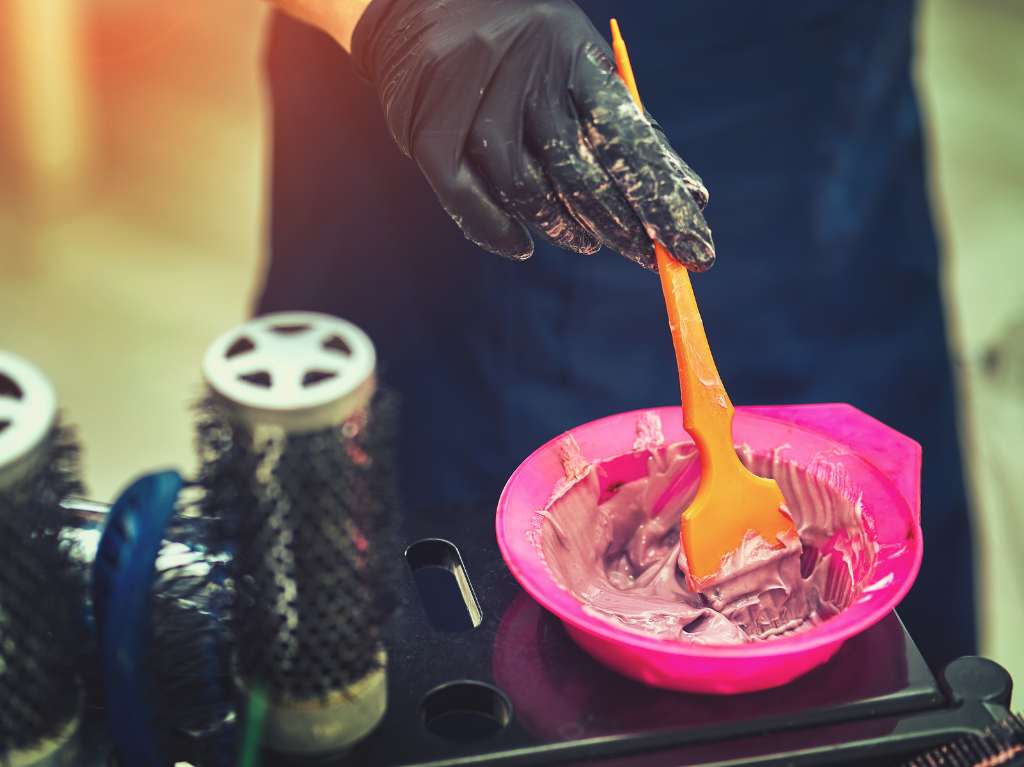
(692, 252)
(517, 254)
(513, 248)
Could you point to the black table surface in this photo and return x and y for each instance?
(566, 708)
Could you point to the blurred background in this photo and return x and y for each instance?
(132, 186)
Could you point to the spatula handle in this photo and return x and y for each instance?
(707, 409)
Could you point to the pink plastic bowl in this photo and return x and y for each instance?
(876, 462)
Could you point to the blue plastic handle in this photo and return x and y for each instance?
(122, 585)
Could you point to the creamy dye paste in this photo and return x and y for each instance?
(615, 546)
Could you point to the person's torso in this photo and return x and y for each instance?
(801, 119)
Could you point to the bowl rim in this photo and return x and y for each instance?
(554, 598)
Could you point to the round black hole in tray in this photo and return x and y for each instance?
(465, 710)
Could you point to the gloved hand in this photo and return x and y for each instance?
(515, 114)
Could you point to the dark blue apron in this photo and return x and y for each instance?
(802, 120)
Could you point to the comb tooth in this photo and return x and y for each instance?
(1015, 724)
(960, 756)
(962, 750)
(987, 744)
(1005, 733)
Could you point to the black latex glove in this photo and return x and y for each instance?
(514, 112)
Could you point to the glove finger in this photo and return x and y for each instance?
(694, 184)
(520, 185)
(467, 200)
(586, 190)
(629, 149)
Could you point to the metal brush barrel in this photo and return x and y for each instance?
(292, 436)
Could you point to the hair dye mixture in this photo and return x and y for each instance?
(614, 545)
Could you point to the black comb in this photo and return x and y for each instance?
(998, 746)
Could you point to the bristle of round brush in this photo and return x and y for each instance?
(190, 648)
(1000, 745)
(41, 602)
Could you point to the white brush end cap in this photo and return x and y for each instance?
(302, 371)
(28, 411)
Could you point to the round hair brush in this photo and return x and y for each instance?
(160, 597)
(41, 588)
(295, 442)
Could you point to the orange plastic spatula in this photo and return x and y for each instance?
(730, 501)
